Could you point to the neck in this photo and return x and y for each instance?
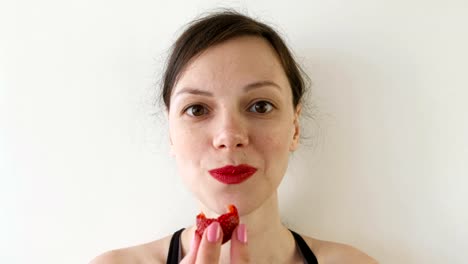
(269, 241)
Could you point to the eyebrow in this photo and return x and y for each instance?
(247, 88)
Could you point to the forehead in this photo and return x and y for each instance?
(237, 61)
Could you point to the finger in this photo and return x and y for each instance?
(210, 246)
(192, 253)
(239, 249)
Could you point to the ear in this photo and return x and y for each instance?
(296, 128)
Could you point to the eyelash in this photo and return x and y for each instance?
(185, 111)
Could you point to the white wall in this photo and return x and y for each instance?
(84, 165)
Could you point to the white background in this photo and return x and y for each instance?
(84, 161)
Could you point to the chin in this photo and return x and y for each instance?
(245, 204)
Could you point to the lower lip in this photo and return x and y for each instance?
(232, 178)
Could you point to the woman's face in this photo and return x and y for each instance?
(233, 105)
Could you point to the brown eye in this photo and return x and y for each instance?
(261, 107)
(195, 110)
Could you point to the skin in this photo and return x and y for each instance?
(234, 102)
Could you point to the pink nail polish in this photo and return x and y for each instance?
(242, 233)
(213, 232)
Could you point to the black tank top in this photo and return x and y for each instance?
(174, 256)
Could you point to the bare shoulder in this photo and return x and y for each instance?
(328, 252)
(154, 252)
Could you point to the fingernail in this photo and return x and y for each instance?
(213, 232)
(242, 233)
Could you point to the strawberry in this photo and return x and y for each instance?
(227, 221)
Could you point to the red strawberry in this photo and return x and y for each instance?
(227, 221)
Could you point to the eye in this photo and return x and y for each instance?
(195, 110)
(261, 107)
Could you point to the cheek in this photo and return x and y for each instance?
(188, 143)
(186, 153)
(275, 154)
(276, 139)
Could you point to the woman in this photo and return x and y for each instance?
(233, 97)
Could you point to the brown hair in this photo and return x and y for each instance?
(221, 26)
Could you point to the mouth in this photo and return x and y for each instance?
(233, 174)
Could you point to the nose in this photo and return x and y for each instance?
(231, 133)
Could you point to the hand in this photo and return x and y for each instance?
(206, 249)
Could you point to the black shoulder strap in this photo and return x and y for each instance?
(173, 254)
(308, 255)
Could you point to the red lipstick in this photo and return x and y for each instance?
(233, 174)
